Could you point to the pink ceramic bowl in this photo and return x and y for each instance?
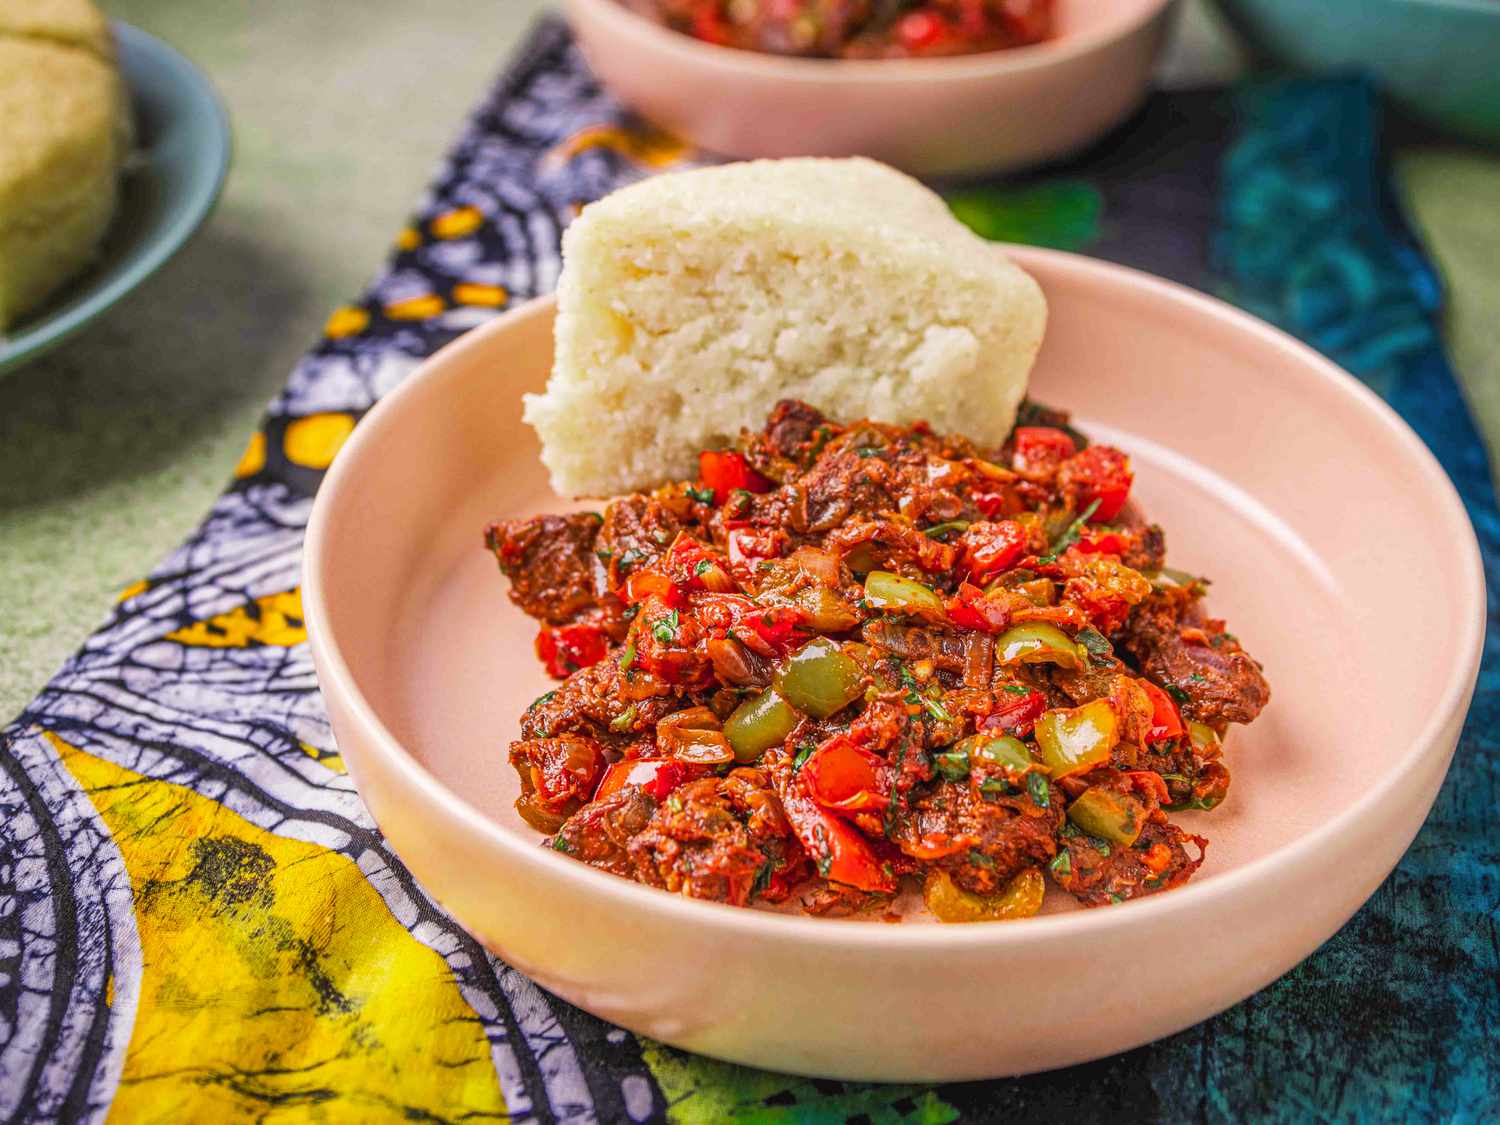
(1314, 509)
(986, 112)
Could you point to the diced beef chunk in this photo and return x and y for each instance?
(1214, 679)
(550, 563)
(724, 839)
(1098, 873)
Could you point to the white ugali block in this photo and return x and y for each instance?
(690, 303)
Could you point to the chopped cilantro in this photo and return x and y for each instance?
(825, 861)
(1197, 678)
(939, 530)
(762, 879)
(702, 495)
(1036, 784)
(993, 786)
(1116, 898)
(1073, 530)
(562, 844)
(665, 629)
(979, 859)
(1177, 693)
(936, 709)
(1062, 864)
(1093, 640)
(703, 567)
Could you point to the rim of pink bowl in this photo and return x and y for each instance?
(1066, 46)
(630, 895)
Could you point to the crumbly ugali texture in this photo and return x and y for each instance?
(690, 303)
(64, 133)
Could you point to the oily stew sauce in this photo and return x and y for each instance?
(849, 655)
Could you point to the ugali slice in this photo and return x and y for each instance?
(690, 303)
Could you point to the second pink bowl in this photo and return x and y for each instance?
(944, 116)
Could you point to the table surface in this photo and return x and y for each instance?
(113, 447)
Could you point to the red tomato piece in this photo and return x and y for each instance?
(990, 548)
(1103, 542)
(1039, 450)
(1016, 713)
(1098, 473)
(657, 776)
(777, 626)
(644, 583)
(690, 565)
(724, 471)
(838, 850)
(567, 648)
(991, 504)
(1166, 720)
(919, 30)
(747, 544)
(970, 609)
(841, 775)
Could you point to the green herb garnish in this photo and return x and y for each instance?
(979, 859)
(627, 658)
(1062, 863)
(1073, 530)
(621, 722)
(938, 530)
(702, 495)
(1093, 640)
(665, 629)
(1036, 784)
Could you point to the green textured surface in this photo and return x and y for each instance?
(112, 447)
(177, 166)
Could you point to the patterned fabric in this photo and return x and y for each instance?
(199, 921)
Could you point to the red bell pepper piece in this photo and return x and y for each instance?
(990, 548)
(724, 471)
(567, 648)
(1166, 720)
(746, 545)
(690, 565)
(1098, 473)
(657, 776)
(1039, 450)
(644, 583)
(838, 850)
(842, 775)
(970, 609)
(1103, 543)
(1016, 712)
